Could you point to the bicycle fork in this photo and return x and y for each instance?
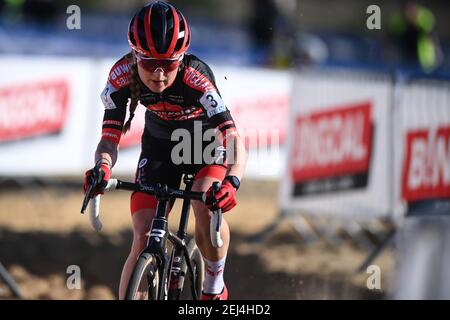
(157, 245)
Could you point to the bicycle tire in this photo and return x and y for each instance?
(145, 275)
(183, 291)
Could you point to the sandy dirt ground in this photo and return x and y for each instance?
(42, 233)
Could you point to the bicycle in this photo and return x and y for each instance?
(158, 275)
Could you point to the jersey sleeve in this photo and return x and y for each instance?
(115, 98)
(200, 77)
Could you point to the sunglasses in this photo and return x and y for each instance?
(152, 64)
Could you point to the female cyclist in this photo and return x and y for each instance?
(179, 92)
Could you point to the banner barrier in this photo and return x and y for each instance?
(339, 145)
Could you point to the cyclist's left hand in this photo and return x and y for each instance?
(225, 197)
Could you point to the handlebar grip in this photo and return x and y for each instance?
(94, 205)
(94, 213)
(214, 228)
(112, 184)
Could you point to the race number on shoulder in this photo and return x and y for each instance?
(213, 103)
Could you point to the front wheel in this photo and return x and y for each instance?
(182, 280)
(144, 281)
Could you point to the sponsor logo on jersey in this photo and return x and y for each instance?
(197, 80)
(112, 122)
(176, 99)
(168, 111)
(112, 135)
(426, 167)
(179, 116)
(106, 97)
(142, 163)
(120, 74)
(165, 107)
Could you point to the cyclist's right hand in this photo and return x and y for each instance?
(97, 177)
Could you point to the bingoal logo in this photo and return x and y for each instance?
(426, 168)
(30, 110)
(332, 143)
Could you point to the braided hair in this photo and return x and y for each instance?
(135, 90)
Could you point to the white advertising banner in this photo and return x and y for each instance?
(422, 143)
(339, 150)
(44, 106)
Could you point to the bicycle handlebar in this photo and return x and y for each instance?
(113, 184)
(214, 228)
(216, 221)
(94, 213)
(94, 208)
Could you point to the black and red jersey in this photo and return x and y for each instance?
(192, 97)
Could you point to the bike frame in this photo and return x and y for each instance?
(159, 233)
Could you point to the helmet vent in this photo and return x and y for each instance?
(159, 30)
(141, 31)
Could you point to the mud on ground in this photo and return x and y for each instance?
(42, 233)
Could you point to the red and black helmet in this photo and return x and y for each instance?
(159, 30)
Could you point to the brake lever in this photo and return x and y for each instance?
(215, 188)
(88, 195)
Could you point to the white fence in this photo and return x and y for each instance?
(362, 146)
(422, 133)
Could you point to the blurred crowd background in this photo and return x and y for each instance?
(275, 33)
